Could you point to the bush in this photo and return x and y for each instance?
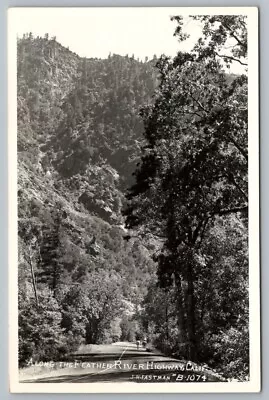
(231, 352)
(41, 336)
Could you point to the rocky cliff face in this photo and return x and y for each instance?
(79, 139)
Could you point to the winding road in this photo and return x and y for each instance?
(118, 362)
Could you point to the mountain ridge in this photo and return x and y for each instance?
(79, 139)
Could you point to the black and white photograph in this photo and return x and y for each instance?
(134, 200)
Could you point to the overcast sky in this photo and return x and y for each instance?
(96, 32)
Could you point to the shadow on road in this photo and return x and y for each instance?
(113, 356)
(141, 376)
(138, 375)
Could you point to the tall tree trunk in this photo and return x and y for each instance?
(167, 321)
(192, 352)
(33, 275)
(182, 334)
(55, 281)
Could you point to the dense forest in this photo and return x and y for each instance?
(133, 199)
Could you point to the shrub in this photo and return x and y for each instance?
(231, 348)
(40, 334)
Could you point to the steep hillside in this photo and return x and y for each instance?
(79, 138)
